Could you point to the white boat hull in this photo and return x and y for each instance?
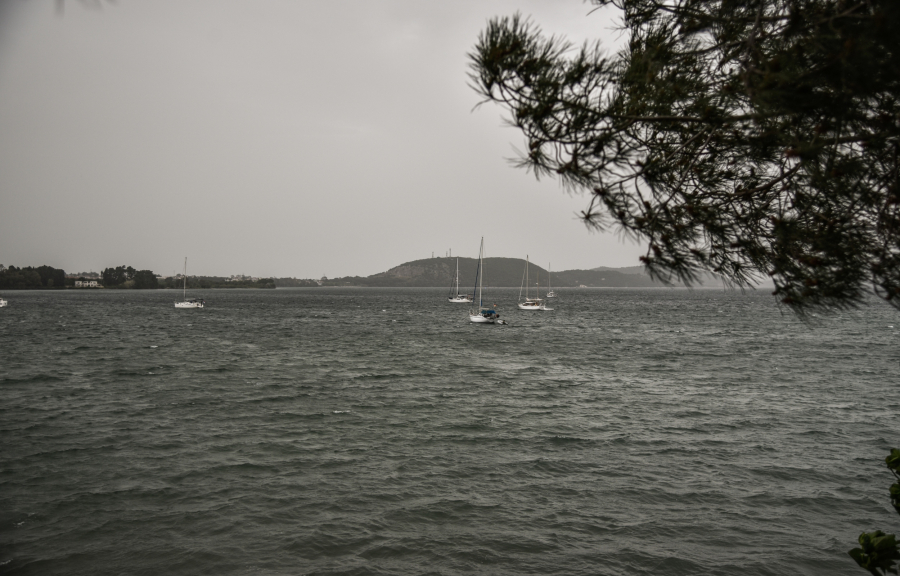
(533, 305)
(2, 303)
(460, 300)
(189, 304)
(485, 316)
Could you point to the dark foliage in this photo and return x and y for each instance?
(51, 277)
(878, 552)
(743, 137)
(145, 279)
(893, 463)
(117, 276)
(30, 278)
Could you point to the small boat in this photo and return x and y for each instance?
(529, 303)
(458, 297)
(193, 302)
(2, 302)
(482, 315)
(550, 292)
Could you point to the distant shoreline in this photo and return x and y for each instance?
(439, 272)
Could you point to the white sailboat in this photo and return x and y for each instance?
(2, 302)
(529, 303)
(458, 297)
(482, 315)
(193, 302)
(550, 292)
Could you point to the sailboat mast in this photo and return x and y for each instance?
(184, 291)
(477, 274)
(481, 280)
(527, 281)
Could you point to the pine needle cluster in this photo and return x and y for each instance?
(748, 138)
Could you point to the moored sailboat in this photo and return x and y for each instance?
(482, 315)
(457, 298)
(550, 292)
(529, 303)
(193, 302)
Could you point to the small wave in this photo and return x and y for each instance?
(375, 376)
(561, 438)
(33, 378)
(217, 369)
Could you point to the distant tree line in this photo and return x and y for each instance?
(122, 277)
(194, 282)
(126, 277)
(31, 278)
(295, 283)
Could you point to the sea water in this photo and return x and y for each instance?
(377, 431)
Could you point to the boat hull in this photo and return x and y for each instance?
(533, 305)
(485, 316)
(189, 304)
(460, 300)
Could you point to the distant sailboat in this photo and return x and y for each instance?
(550, 292)
(2, 302)
(482, 315)
(529, 303)
(193, 302)
(457, 297)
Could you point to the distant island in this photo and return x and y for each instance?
(426, 273)
(499, 272)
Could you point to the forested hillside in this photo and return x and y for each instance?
(498, 272)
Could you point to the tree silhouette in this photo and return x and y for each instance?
(743, 137)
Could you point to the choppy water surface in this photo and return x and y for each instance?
(367, 431)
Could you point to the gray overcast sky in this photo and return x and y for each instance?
(271, 138)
